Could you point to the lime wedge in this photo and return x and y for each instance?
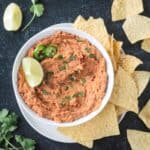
(33, 71)
(12, 18)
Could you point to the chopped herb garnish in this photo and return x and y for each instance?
(63, 67)
(87, 49)
(60, 57)
(49, 73)
(92, 56)
(79, 94)
(45, 92)
(82, 81)
(68, 98)
(72, 57)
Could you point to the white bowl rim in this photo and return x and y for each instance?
(45, 33)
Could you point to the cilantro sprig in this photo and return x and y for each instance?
(8, 124)
(37, 9)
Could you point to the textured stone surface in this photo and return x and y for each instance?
(58, 11)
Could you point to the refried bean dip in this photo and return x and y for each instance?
(74, 83)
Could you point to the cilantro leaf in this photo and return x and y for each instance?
(26, 143)
(3, 114)
(37, 9)
(8, 124)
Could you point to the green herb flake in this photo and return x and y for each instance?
(87, 49)
(72, 57)
(68, 98)
(92, 56)
(79, 94)
(82, 81)
(60, 57)
(63, 67)
(49, 73)
(45, 92)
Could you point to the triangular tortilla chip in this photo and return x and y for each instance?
(146, 45)
(114, 51)
(138, 140)
(141, 78)
(122, 9)
(125, 91)
(94, 27)
(145, 114)
(103, 125)
(129, 63)
(137, 28)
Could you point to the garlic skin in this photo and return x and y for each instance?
(12, 18)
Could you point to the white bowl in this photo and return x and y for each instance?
(45, 33)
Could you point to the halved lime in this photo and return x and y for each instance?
(12, 18)
(33, 71)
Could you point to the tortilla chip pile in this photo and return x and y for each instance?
(136, 27)
(129, 84)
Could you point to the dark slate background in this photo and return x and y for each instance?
(59, 11)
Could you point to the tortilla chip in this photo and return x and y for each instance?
(141, 78)
(125, 91)
(137, 28)
(88, 144)
(129, 63)
(122, 9)
(79, 22)
(120, 111)
(103, 125)
(146, 45)
(117, 45)
(145, 114)
(138, 140)
(114, 50)
(111, 52)
(94, 27)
